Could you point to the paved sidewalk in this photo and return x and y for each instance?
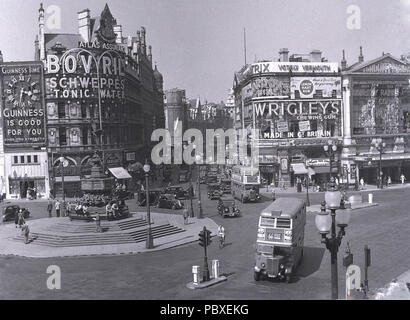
(10, 246)
(355, 206)
(367, 188)
(398, 289)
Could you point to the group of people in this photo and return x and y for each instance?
(113, 209)
(57, 205)
(386, 181)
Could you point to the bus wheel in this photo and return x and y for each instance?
(257, 276)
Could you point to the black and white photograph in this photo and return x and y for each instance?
(204, 150)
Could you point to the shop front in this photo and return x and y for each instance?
(28, 175)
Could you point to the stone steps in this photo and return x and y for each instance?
(94, 239)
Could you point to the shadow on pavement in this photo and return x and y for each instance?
(312, 258)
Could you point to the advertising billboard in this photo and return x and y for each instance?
(293, 119)
(22, 104)
(307, 87)
(294, 67)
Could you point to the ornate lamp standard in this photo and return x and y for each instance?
(380, 146)
(330, 150)
(150, 240)
(326, 223)
(198, 159)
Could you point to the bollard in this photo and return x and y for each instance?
(370, 197)
(215, 269)
(196, 272)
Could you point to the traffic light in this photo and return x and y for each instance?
(202, 238)
(367, 260)
(208, 237)
(205, 238)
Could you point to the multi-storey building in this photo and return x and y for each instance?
(376, 96)
(296, 103)
(102, 93)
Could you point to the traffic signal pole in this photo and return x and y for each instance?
(204, 241)
(205, 275)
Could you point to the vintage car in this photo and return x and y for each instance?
(178, 191)
(169, 201)
(10, 213)
(184, 176)
(227, 207)
(214, 191)
(123, 194)
(153, 197)
(226, 185)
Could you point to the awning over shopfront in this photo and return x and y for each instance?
(311, 172)
(120, 173)
(385, 157)
(319, 170)
(299, 168)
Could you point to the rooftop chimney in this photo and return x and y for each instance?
(316, 56)
(143, 43)
(284, 55)
(361, 58)
(344, 62)
(150, 54)
(84, 27)
(118, 32)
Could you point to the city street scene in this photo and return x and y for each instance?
(205, 150)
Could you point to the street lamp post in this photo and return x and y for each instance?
(307, 191)
(380, 146)
(198, 159)
(330, 150)
(150, 240)
(61, 165)
(326, 224)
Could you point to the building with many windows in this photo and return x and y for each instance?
(296, 103)
(376, 110)
(102, 93)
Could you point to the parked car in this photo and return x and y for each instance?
(168, 201)
(178, 191)
(123, 195)
(184, 176)
(227, 207)
(10, 212)
(214, 191)
(153, 197)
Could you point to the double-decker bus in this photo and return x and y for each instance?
(245, 183)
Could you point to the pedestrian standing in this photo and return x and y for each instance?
(57, 205)
(362, 183)
(402, 178)
(98, 223)
(26, 232)
(108, 210)
(185, 213)
(50, 208)
(21, 221)
(388, 181)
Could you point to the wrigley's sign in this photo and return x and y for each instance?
(294, 67)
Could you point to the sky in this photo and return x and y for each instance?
(199, 44)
